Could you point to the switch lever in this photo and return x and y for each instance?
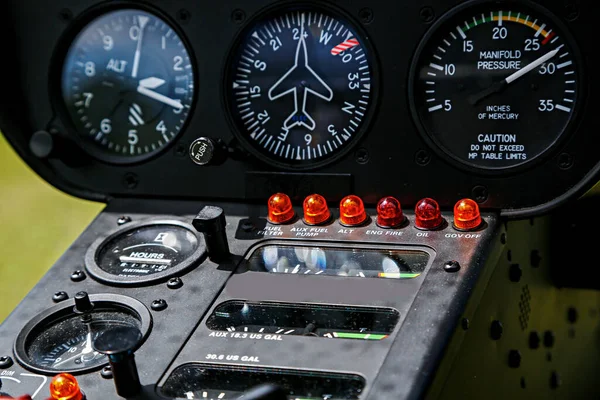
(211, 222)
(119, 343)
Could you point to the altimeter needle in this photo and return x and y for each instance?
(145, 88)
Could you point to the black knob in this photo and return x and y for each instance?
(119, 343)
(204, 151)
(41, 144)
(211, 222)
(83, 303)
(265, 392)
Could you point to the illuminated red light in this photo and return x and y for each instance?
(352, 211)
(280, 209)
(428, 214)
(65, 387)
(315, 210)
(466, 215)
(389, 213)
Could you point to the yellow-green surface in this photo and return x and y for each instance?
(37, 224)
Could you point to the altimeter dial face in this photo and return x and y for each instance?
(128, 85)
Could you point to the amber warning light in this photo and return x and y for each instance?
(65, 387)
(280, 209)
(466, 215)
(316, 211)
(352, 211)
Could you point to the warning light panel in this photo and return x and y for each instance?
(389, 213)
(316, 211)
(352, 211)
(466, 215)
(428, 215)
(280, 209)
(65, 387)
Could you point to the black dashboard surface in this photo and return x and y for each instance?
(391, 156)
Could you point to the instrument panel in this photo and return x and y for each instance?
(456, 99)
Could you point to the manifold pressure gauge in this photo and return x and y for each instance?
(496, 85)
(145, 252)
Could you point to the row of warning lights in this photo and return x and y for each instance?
(428, 215)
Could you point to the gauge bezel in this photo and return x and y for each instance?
(196, 258)
(57, 62)
(64, 310)
(283, 7)
(550, 150)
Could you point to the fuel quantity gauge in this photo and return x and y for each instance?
(60, 338)
(317, 320)
(145, 252)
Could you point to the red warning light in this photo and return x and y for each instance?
(352, 211)
(427, 214)
(280, 208)
(315, 210)
(389, 213)
(466, 215)
(65, 387)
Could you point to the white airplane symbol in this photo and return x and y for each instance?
(312, 83)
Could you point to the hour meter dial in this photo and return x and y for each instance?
(145, 252)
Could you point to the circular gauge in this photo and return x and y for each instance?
(495, 85)
(59, 340)
(300, 86)
(128, 85)
(145, 252)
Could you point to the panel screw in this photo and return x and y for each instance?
(452, 266)
(130, 180)
(496, 330)
(523, 385)
(248, 226)
(534, 340)
(59, 296)
(422, 157)
(159, 305)
(78, 276)
(572, 315)
(5, 362)
(548, 339)
(571, 12)
(479, 194)
(362, 156)
(238, 16)
(427, 14)
(565, 161)
(123, 220)
(183, 15)
(181, 150)
(175, 283)
(366, 15)
(65, 15)
(106, 372)
(515, 272)
(514, 359)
